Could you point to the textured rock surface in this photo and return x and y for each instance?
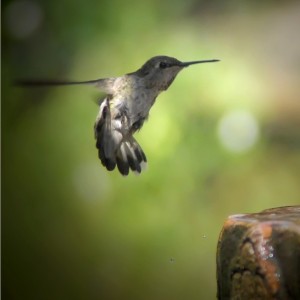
(258, 255)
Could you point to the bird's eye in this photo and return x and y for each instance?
(163, 65)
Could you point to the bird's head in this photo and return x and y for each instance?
(160, 71)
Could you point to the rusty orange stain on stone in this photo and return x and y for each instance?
(228, 223)
(237, 220)
(271, 275)
(267, 262)
(266, 230)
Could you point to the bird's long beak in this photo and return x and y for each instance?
(186, 64)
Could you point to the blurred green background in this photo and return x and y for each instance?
(224, 139)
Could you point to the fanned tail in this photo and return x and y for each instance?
(130, 155)
(115, 149)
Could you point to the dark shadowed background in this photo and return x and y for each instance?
(224, 139)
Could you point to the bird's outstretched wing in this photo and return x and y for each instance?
(104, 84)
(39, 82)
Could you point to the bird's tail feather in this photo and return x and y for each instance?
(114, 149)
(130, 156)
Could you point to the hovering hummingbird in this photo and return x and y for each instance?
(125, 108)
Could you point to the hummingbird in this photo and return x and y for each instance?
(125, 108)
